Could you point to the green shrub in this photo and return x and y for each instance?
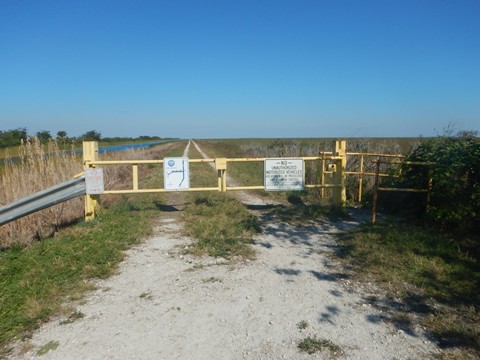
(455, 194)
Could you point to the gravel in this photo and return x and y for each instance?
(164, 304)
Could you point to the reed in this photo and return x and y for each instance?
(37, 167)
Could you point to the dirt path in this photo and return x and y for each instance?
(165, 305)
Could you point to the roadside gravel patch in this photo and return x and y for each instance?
(167, 305)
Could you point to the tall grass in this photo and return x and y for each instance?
(221, 225)
(37, 279)
(36, 168)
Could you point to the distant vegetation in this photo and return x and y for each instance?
(19, 136)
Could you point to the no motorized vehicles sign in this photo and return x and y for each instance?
(284, 174)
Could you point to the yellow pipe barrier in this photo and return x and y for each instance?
(135, 177)
(252, 187)
(145, 191)
(335, 160)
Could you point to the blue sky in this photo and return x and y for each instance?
(240, 68)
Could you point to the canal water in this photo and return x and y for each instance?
(105, 149)
(117, 148)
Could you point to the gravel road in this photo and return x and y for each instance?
(166, 305)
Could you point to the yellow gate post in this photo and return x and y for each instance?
(90, 153)
(339, 195)
(221, 166)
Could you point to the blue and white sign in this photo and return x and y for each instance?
(176, 173)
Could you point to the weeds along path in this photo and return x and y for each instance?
(167, 305)
(245, 197)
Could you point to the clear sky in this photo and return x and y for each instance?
(240, 68)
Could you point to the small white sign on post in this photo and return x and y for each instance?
(284, 174)
(94, 181)
(176, 173)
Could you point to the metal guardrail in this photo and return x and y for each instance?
(42, 200)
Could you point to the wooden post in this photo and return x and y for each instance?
(339, 192)
(90, 154)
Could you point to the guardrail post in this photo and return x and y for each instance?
(90, 153)
(339, 195)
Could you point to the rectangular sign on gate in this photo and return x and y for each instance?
(94, 181)
(284, 174)
(176, 173)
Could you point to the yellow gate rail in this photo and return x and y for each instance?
(333, 163)
(337, 157)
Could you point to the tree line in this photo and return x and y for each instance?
(19, 136)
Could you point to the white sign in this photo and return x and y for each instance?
(94, 181)
(176, 173)
(284, 174)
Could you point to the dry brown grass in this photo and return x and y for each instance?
(38, 167)
(315, 147)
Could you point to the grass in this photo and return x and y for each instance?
(302, 325)
(36, 280)
(35, 171)
(425, 274)
(252, 173)
(221, 225)
(146, 296)
(311, 345)
(73, 317)
(51, 345)
(303, 214)
(38, 170)
(201, 174)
